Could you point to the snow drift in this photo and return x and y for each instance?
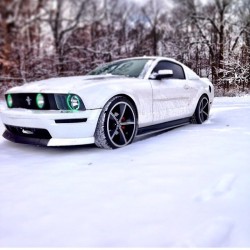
(188, 187)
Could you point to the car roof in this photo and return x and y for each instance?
(148, 57)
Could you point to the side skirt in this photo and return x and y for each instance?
(163, 126)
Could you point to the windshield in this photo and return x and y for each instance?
(129, 68)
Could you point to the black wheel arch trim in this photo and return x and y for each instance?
(129, 98)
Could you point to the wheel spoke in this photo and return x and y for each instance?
(201, 107)
(122, 136)
(202, 117)
(115, 132)
(206, 114)
(113, 117)
(127, 123)
(206, 104)
(122, 111)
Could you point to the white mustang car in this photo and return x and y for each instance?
(109, 106)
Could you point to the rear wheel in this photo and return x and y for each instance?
(202, 110)
(117, 124)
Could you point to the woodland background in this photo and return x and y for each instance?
(49, 38)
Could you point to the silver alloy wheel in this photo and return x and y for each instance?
(203, 109)
(121, 124)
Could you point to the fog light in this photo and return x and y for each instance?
(40, 101)
(9, 101)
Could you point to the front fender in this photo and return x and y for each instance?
(140, 92)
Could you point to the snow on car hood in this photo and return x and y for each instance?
(63, 84)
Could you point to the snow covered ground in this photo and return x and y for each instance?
(188, 187)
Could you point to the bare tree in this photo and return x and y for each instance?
(155, 16)
(63, 17)
(43, 38)
(20, 33)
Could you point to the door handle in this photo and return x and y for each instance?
(186, 86)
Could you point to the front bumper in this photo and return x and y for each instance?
(50, 128)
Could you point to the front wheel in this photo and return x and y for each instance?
(202, 110)
(117, 124)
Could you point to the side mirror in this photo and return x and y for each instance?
(161, 74)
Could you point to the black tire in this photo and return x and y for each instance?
(117, 124)
(201, 113)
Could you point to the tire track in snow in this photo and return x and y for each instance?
(215, 233)
(223, 186)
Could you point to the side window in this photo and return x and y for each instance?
(177, 69)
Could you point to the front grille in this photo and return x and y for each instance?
(51, 101)
(37, 133)
(28, 101)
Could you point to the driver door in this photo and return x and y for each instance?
(171, 95)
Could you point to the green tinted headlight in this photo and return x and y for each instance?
(73, 102)
(9, 101)
(40, 101)
(69, 102)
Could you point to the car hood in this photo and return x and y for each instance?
(64, 84)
